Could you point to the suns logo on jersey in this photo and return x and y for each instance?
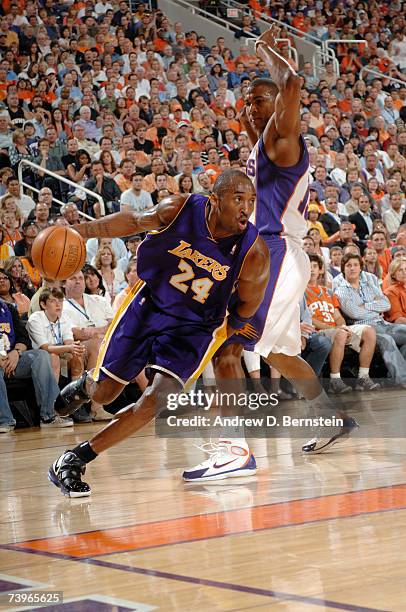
(184, 251)
(323, 311)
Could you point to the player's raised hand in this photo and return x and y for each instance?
(242, 117)
(269, 37)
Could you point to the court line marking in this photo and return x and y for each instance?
(232, 522)
(278, 595)
(190, 489)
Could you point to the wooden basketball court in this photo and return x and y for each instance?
(305, 534)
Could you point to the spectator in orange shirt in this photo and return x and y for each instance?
(158, 167)
(396, 292)
(379, 243)
(212, 168)
(327, 318)
(124, 179)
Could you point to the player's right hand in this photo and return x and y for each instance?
(269, 37)
(242, 117)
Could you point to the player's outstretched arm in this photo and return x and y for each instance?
(285, 123)
(123, 224)
(252, 283)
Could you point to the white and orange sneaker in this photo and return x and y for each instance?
(228, 459)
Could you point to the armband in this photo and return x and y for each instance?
(236, 321)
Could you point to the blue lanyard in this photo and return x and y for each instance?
(79, 309)
(56, 332)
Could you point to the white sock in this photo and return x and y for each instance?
(363, 372)
(336, 375)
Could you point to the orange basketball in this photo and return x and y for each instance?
(58, 252)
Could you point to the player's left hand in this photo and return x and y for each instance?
(269, 37)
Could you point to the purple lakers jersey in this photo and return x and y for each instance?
(282, 194)
(190, 274)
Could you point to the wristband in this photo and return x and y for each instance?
(236, 321)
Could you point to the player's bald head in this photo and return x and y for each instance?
(229, 180)
(265, 84)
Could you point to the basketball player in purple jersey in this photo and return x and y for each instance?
(279, 168)
(198, 251)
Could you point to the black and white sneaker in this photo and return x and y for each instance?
(72, 397)
(320, 445)
(66, 474)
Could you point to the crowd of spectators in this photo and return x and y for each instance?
(127, 104)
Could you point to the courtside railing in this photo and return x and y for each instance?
(30, 164)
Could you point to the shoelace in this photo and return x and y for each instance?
(213, 448)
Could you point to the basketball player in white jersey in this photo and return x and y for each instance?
(279, 168)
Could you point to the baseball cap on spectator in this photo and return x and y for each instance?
(182, 124)
(50, 71)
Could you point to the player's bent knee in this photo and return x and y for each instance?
(107, 390)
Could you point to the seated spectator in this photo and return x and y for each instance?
(314, 233)
(19, 361)
(21, 280)
(371, 263)
(132, 244)
(124, 178)
(315, 346)
(6, 251)
(396, 292)
(331, 220)
(51, 331)
(24, 202)
(10, 225)
(380, 243)
(136, 199)
(9, 294)
(94, 282)
(328, 320)
(106, 262)
(313, 222)
(363, 218)
(336, 255)
(104, 186)
(393, 216)
(90, 316)
(41, 215)
(361, 301)
(157, 168)
(346, 235)
(93, 245)
(131, 278)
(70, 212)
(47, 283)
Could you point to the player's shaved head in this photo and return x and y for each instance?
(266, 83)
(228, 181)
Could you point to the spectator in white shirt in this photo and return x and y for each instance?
(90, 316)
(132, 243)
(393, 217)
(93, 244)
(339, 173)
(136, 199)
(51, 331)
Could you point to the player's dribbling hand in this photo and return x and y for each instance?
(269, 37)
